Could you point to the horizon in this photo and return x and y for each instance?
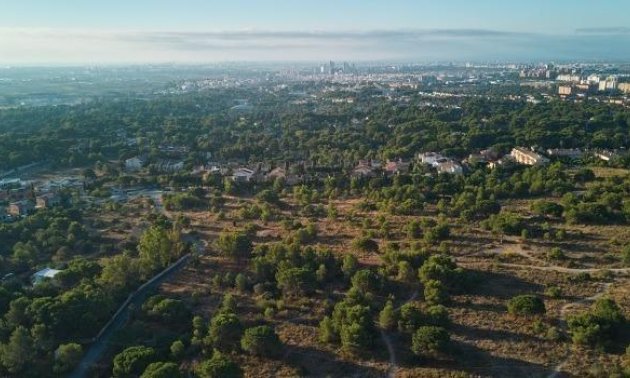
(38, 33)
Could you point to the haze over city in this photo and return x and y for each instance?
(40, 32)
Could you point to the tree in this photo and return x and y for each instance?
(354, 336)
(236, 245)
(434, 292)
(132, 361)
(365, 281)
(261, 341)
(387, 317)
(67, 356)
(240, 282)
(599, 326)
(526, 305)
(365, 244)
(409, 318)
(349, 265)
(295, 281)
(162, 370)
(429, 340)
(177, 349)
(18, 352)
(326, 330)
(219, 366)
(155, 249)
(224, 332)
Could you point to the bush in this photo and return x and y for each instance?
(365, 244)
(177, 349)
(599, 326)
(132, 361)
(67, 356)
(555, 254)
(261, 341)
(218, 366)
(526, 305)
(429, 340)
(224, 332)
(434, 292)
(387, 316)
(162, 370)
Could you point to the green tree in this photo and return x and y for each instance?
(224, 332)
(429, 340)
(387, 318)
(219, 366)
(434, 292)
(236, 245)
(526, 305)
(349, 265)
(326, 330)
(261, 341)
(18, 352)
(177, 349)
(161, 370)
(295, 281)
(132, 361)
(67, 356)
(155, 249)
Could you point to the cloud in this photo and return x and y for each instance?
(41, 46)
(617, 30)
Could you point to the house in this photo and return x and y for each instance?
(21, 208)
(572, 153)
(168, 166)
(450, 167)
(430, 158)
(243, 175)
(364, 168)
(605, 155)
(397, 167)
(524, 156)
(47, 200)
(135, 163)
(44, 274)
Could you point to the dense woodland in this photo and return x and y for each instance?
(410, 222)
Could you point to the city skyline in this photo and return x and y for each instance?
(191, 31)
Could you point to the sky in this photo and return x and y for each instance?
(39, 32)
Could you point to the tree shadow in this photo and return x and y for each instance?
(501, 286)
(313, 362)
(463, 357)
(472, 333)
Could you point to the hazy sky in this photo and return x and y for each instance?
(135, 31)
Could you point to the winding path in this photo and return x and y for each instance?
(563, 312)
(391, 372)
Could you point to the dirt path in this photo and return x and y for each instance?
(563, 312)
(391, 372)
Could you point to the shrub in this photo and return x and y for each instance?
(429, 340)
(219, 366)
(365, 244)
(526, 305)
(162, 370)
(261, 341)
(132, 361)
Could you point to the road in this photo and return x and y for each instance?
(120, 318)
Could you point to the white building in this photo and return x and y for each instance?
(430, 158)
(527, 157)
(243, 175)
(46, 273)
(450, 167)
(134, 164)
